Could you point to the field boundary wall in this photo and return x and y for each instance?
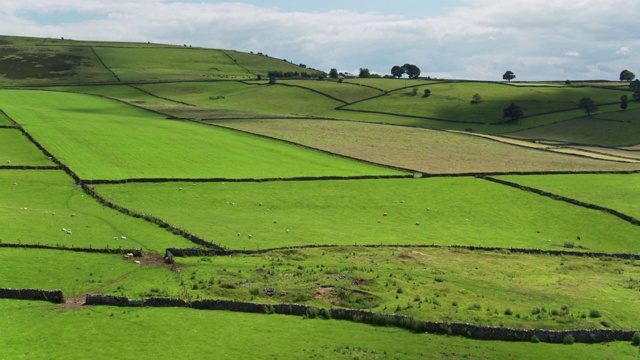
(613, 212)
(379, 319)
(227, 252)
(135, 252)
(54, 296)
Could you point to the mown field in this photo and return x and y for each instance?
(424, 150)
(445, 211)
(102, 139)
(181, 115)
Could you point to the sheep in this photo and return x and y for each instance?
(180, 189)
(417, 223)
(238, 234)
(250, 236)
(136, 261)
(74, 214)
(123, 237)
(69, 231)
(287, 231)
(64, 229)
(259, 204)
(275, 221)
(384, 214)
(115, 238)
(8, 161)
(197, 196)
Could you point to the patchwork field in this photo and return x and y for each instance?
(102, 139)
(39, 206)
(428, 151)
(445, 211)
(452, 101)
(195, 144)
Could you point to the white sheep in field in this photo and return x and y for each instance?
(250, 236)
(74, 214)
(123, 237)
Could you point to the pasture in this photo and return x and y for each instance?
(78, 273)
(16, 149)
(45, 207)
(424, 150)
(615, 128)
(103, 139)
(454, 285)
(444, 211)
(226, 152)
(41, 330)
(618, 192)
(452, 101)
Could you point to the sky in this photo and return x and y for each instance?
(465, 39)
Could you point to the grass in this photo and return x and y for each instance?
(261, 100)
(616, 192)
(103, 139)
(388, 84)
(132, 64)
(450, 211)
(428, 151)
(44, 331)
(347, 92)
(71, 272)
(28, 61)
(615, 128)
(431, 284)
(452, 101)
(37, 204)
(16, 149)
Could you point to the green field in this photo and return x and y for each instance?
(197, 120)
(450, 285)
(77, 273)
(102, 139)
(452, 101)
(42, 331)
(449, 211)
(16, 149)
(611, 129)
(618, 192)
(425, 150)
(37, 204)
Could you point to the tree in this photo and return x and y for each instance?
(588, 105)
(272, 80)
(427, 93)
(624, 102)
(333, 73)
(626, 75)
(634, 85)
(513, 112)
(476, 99)
(397, 71)
(509, 75)
(411, 70)
(364, 73)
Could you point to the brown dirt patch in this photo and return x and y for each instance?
(323, 292)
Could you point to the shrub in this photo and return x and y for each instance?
(594, 314)
(508, 312)
(635, 340)
(427, 93)
(535, 339)
(569, 339)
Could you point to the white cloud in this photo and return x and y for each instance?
(479, 39)
(623, 50)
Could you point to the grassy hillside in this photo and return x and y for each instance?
(190, 117)
(102, 139)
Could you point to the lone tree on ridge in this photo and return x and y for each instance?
(509, 75)
(626, 75)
